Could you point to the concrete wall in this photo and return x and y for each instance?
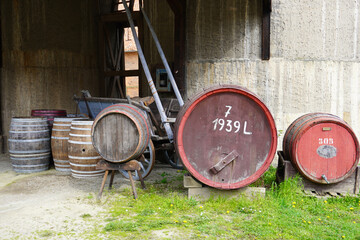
(49, 54)
(162, 19)
(315, 57)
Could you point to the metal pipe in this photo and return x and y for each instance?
(163, 58)
(154, 92)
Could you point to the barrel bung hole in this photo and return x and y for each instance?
(83, 149)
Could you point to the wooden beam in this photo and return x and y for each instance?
(179, 9)
(119, 17)
(123, 73)
(265, 35)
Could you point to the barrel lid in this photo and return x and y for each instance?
(226, 137)
(318, 150)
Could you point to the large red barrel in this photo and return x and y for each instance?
(49, 114)
(226, 137)
(120, 133)
(322, 147)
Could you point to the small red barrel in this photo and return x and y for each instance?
(226, 137)
(322, 147)
(50, 114)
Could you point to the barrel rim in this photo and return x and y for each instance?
(185, 113)
(28, 119)
(67, 119)
(82, 122)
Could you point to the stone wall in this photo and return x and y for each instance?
(315, 57)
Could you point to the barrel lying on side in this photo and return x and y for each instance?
(226, 137)
(59, 143)
(82, 155)
(121, 133)
(322, 147)
(29, 144)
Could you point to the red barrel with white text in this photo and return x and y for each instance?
(226, 137)
(322, 147)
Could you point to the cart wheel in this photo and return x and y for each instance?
(173, 159)
(146, 166)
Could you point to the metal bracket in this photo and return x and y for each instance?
(224, 162)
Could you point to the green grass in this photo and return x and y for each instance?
(284, 213)
(163, 211)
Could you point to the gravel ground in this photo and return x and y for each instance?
(31, 205)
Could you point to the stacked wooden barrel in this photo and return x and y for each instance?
(82, 155)
(226, 137)
(59, 143)
(29, 144)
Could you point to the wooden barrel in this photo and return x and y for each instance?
(225, 137)
(322, 147)
(29, 144)
(82, 155)
(121, 133)
(59, 143)
(49, 114)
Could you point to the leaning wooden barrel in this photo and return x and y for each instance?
(49, 114)
(121, 133)
(322, 147)
(59, 143)
(82, 155)
(226, 137)
(29, 144)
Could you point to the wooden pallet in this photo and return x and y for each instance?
(350, 185)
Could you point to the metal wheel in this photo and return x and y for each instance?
(146, 166)
(173, 159)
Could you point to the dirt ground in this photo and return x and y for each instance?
(33, 204)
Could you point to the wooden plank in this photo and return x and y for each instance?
(123, 73)
(132, 165)
(120, 17)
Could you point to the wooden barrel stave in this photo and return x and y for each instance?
(120, 133)
(82, 155)
(29, 144)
